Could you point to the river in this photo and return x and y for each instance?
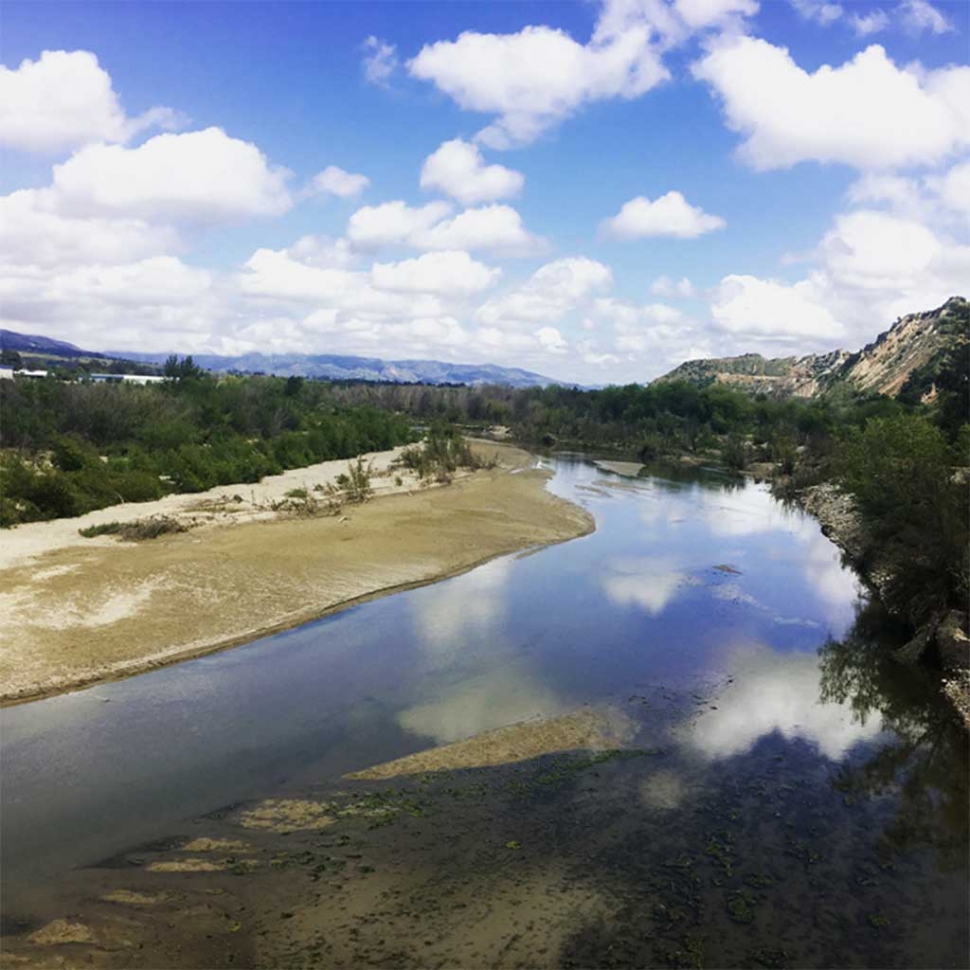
(810, 806)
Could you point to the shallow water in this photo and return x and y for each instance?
(822, 787)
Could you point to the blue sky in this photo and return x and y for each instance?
(597, 191)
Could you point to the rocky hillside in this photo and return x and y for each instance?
(906, 357)
(776, 376)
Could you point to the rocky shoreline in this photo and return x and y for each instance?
(945, 635)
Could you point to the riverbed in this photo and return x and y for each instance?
(742, 779)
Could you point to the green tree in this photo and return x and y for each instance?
(900, 471)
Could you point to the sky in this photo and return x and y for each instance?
(597, 191)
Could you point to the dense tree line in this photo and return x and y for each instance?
(71, 447)
(649, 422)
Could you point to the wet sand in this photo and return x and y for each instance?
(81, 611)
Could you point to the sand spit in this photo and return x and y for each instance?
(79, 611)
(587, 729)
(628, 469)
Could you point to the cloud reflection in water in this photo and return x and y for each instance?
(776, 692)
(481, 703)
(454, 619)
(647, 583)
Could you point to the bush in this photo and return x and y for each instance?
(71, 453)
(443, 453)
(136, 531)
(900, 471)
(356, 483)
(735, 453)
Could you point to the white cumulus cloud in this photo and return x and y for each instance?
(867, 112)
(705, 13)
(497, 229)
(954, 188)
(444, 272)
(494, 228)
(548, 295)
(872, 266)
(65, 99)
(748, 305)
(533, 79)
(392, 223)
(669, 215)
(200, 176)
(335, 181)
(33, 231)
(458, 169)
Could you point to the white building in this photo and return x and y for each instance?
(127, 378)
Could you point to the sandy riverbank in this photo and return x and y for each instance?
(79, 611)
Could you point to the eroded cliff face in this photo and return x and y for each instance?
(910, 346)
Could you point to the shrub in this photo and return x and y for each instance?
(899, 470)
(735, 453)
(356, 483)
(443, 453)
(136, 531)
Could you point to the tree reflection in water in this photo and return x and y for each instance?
(924, 761)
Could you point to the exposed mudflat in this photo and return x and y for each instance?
(76, 614)
(628, 856)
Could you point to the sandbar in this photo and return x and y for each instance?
(79, 611)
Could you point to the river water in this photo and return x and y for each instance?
(810, 789)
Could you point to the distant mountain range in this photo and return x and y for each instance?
(327, 366)
(341, 367)
(909, 351)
